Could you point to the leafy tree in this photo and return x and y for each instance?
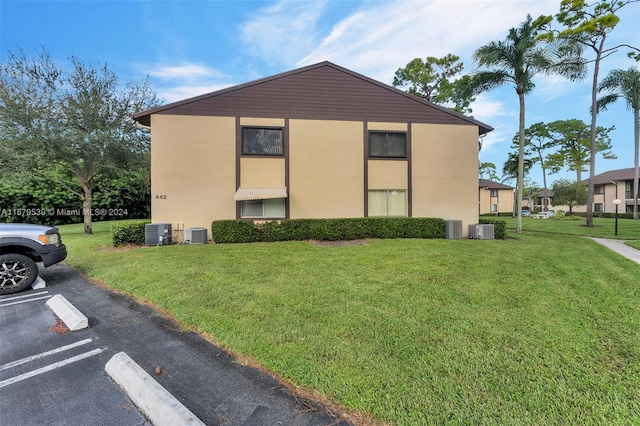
(36, 199)
(537, 142)
(432, 80)
(77, 119)
(510, 167)
(573, 139)
(625, 84)
(567, 193)
(588, 23)
(488, 169)
(517, 60)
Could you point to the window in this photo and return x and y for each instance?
(262, 141)
(388, 203)
(598, 189)
(494, 192)
(628, 189)
(494, 208)
(597, 207)
(271, 208)
(387, 145)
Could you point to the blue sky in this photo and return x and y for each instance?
(190, 47)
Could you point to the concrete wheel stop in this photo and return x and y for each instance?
(153, 400)
(69, 314)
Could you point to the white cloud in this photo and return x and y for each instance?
(379, 39)
(497, 114)
(492, 140)
(186, 72)
(282, 32)
(485, 108)
(182, 81)
(180, 92)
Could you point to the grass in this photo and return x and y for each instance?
(628, 229)
(542, 328)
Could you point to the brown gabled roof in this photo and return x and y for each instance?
(612, 176)
(323, 91)
(486, 183)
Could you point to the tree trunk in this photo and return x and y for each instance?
(592, 144)
(636, 174)
(544, 179)
(87, 201)
(520, 180)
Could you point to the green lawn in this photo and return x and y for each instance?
(628, 229)
(541, 328)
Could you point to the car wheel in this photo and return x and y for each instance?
(17, 272)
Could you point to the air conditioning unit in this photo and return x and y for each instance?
(196, 235)
(481, 232)
(453, 229)
(157, 234)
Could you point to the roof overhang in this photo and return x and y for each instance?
(245, 194)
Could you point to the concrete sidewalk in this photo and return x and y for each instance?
(620, 247)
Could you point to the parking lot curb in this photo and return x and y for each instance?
(69, 314)
(153, 400)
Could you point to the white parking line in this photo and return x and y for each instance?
(24, 301)
(9, 301)
(44, 354)
(50, 367)
(2, 299)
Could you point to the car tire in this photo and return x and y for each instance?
(17, 272)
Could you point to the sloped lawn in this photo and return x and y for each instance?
(538, 329)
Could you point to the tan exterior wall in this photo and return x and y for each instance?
(266, 122)
(388, 174)
(259, 172)
(606, 198)
(326, 169)
(192, 173)
(445, 172)
(389, 127)
(193, 168)
(504, 200)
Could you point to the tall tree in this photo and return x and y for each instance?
(77, 118)
(537, 142)
(434, 80)
(589, 23)
(517, 60)
(573, 139)
(488, 170)
(510, 167)
(625, 84)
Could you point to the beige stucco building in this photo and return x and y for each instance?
(316, 142)
(611, 185)
(495, 197)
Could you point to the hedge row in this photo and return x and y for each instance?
(127, 233)
(499, 227)
(243, 231)
(613, 215)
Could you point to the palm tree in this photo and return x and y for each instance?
(625, 84)
(517, 60)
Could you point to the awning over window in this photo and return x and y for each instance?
(244, 194)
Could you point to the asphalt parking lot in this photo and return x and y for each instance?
(49, 376)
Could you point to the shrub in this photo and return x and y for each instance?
(499, 227)
(234, 231)
(242, 231)
(127, 233)
(612, 215)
